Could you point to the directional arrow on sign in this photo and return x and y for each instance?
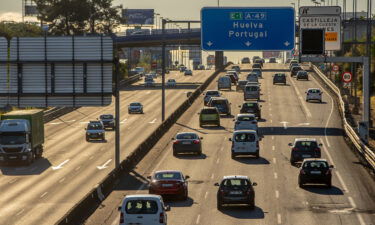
(248, 43)
(209, 43)
(286, 43)
(61, 165)
(105, 165)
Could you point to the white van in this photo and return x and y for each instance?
(251, 92)
(144, 209)
(224, 83)
(245, 142)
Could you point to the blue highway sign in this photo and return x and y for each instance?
(248, 29)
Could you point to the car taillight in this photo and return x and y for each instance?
(254, 122)
(176, 142)
(302, 172)
(121, 217)
(317, 149)
(294, 149)
(196, 141)
(257, 144)
(161, 218)
(328, 172)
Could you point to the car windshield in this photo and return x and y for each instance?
(315, 164)
(209, 111)
(94, 126)
(244, 137)
(212, 93)
(249, 105)
(218, 102)
(245, 118)
(242, 82)
(149, 79)
(302, 73)
(12, 139)
(135, 104)
(106, 117)
(187, 136)
(280, 75)
(297, 68)
(235, 182)
(314, 91)
(141, 207)
(168, 176)
(306, 144)
(251, 88)
(171, 80)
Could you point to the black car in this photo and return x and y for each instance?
(260, 61)
(304, 148)
(251, 107)
(279, 78)
(235, 190)
(302, 74)
(272, 60)
(108, 121)
(295, 70)
(245, 60)
(187, 142)
(316, 171)
(256, 65)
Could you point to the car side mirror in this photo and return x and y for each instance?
(167, 208)
(201, 138)
(187, 177)
(216, 184)
(239, 106)
(234, 120)
(119, 208)
(198, 113)
(290, 144)
(255, 184)
(320, 144)
(331, 166)
(172, 138)
(230, 139)
(148, 177)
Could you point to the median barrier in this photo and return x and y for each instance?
(358, 145)
(80, 212)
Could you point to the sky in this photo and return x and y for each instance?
(183, 9)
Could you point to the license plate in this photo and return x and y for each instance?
(167, 185)
(316, 172)
(236, 192)
(306, 156)
(13, 157)
(186, 142)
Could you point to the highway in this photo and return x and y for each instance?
(278, 198)
(71, 167)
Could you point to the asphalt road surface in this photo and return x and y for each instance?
(43, 192)
(278, 199)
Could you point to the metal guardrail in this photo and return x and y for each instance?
(361, 147)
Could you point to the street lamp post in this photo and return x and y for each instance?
(156, 20)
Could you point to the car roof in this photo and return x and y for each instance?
(313, 89)
(314, 159)
(208, 108)
(218, 98)
(245, 114)
(143, 196)
(186, 133)
(106, 115)
(236, 177)
(254, 102)
(245, 131)
(168, 171)
(135, 102)
(95, 121)
(305, 139)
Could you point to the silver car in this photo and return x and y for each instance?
(95, 130)
(135, 107)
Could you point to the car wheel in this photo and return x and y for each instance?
(233, 155)
(218, 124)
(199, 153)
(219, 205)
(292, 162)
(200, 125)
(129, 112)
(185, 196)
(87, 139)
(320, 100)
(257, 155)
(174, 153)
(300, 184)
(329, 184)
(252, 205)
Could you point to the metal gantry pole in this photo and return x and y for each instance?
(366, 93)
(117, 114)
(163, 74)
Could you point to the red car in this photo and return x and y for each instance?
(169, 183)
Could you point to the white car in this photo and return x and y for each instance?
(149, 82)
(245, 121)
(209, 94)
(171, 83)
(314, 94)
(245, 142)
(143, 209)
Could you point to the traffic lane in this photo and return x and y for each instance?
(336, 201)
(173, 100)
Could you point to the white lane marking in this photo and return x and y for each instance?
(123, 121)
(212, 176)
(308, 113)
(285, 124)
(359, 216)
(84, 122)
(78, 168)
(20, 212)
(274, 160)
(62, 180)
(12, 181)
(149, 92)
(272, 137)
(91, 157)
(278, 218)
(303, 124)
(44, 194)
(271, 122)
(61, 165)
(337, 172)
(153, 121)
(198, 219)
(275, 175)
(273, 148)
(70, 121)
(222, 148)
(56, 123)
(105, 165)
(270, 114)
(330, 114)
(217, 161)
(205, 196)
(277, 194)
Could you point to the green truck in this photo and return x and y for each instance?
(21, 136)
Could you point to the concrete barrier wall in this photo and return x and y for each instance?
(80, 212)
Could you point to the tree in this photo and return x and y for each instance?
(9, 30)
(72, 17)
